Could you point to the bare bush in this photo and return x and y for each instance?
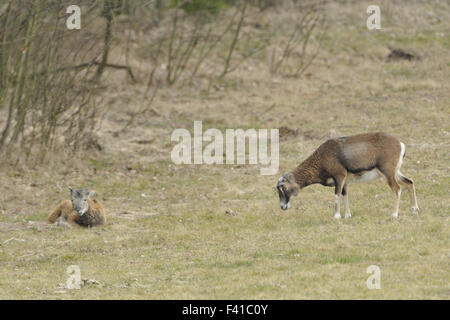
(292, 54)
(42, 97)
(50, 76)
(186, 40)
(220, 40)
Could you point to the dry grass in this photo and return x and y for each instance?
(168, 235)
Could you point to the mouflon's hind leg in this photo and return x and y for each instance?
(409, 184)
(393, 184)
(55, 214)
(390, 171)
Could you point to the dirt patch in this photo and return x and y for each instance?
(400, 54)
(231, 213)
(287, 133)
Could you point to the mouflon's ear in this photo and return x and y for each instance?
(91, 194)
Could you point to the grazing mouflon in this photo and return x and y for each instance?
(340, 161)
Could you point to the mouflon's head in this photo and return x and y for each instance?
(80, 200)
(287, 188)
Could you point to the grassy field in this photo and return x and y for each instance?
(168, 235)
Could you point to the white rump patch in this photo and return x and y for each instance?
(402, 154)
